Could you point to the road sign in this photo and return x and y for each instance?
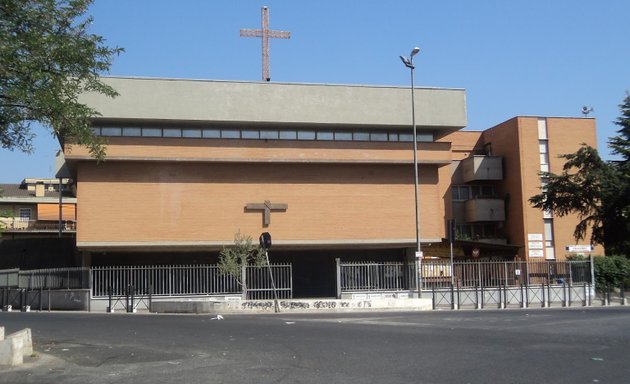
(578, 248)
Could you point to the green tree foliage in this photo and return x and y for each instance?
(242, 253)
(596, 190)
(47, 59)
(611, 271)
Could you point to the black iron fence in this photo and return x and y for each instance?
(399, 276)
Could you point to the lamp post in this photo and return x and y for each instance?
(409, 64)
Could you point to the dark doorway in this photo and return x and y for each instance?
(315, 273)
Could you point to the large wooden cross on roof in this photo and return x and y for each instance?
(265, 33)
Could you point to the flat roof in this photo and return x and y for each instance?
(189, 101)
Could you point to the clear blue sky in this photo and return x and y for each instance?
(516, 57)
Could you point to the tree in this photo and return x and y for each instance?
(233, 260)
(596, 190)
(47, 59)
(611, 271)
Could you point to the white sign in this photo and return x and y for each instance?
(579, 248)
(418, 255)
(536, 253)
(517, 272)
(535, 245)
(534, 237)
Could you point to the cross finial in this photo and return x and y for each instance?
(265, 34)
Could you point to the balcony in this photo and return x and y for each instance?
(482, 168)
(485, 209)
(17, 225)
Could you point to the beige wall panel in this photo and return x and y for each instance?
(263, 102)
(149, 202)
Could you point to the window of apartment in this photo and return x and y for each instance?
(270, 134)
(466, 192)
(25, 214)
(343, 136)
(325, 135)
(132, 131)
(152, 132)
(288, 135)
(211, 133)
(306, 135)
(250, 134)
(460, 192)
(195, 133)
(172, 132)
(476, 231)
(230, 134)
(542, 129)
(544, 152)
(378, 136)
(463, 232)
(548, 232)
(361, 136)
(110, 131)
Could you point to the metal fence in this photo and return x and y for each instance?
(184, 280)
(47, 278)
(375, 276)
(9, 278)
(440, 274)
(398, 276)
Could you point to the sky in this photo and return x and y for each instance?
(513, 58)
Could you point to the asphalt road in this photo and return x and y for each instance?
(590, 345)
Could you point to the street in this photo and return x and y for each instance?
(577, 345)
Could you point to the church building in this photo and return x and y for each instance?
(326, 169)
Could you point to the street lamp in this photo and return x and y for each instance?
(409, 64)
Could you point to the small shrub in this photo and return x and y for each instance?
(611, 270)
(242, 253)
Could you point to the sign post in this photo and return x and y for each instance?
(265, 244)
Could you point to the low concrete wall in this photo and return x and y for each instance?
(293, 306)
(66, 299)
(185, 306)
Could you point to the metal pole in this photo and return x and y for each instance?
(273, 284)
(452, 266)
(592, 275)
(338, 268)
(416, 182)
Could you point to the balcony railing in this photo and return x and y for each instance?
(22, 225)
(485, 209)
(482, 168)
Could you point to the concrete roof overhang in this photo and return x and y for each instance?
(202, 102)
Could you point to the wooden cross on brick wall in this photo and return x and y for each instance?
(265, 34)
(266, 207)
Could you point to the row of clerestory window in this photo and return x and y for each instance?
(264, 134)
